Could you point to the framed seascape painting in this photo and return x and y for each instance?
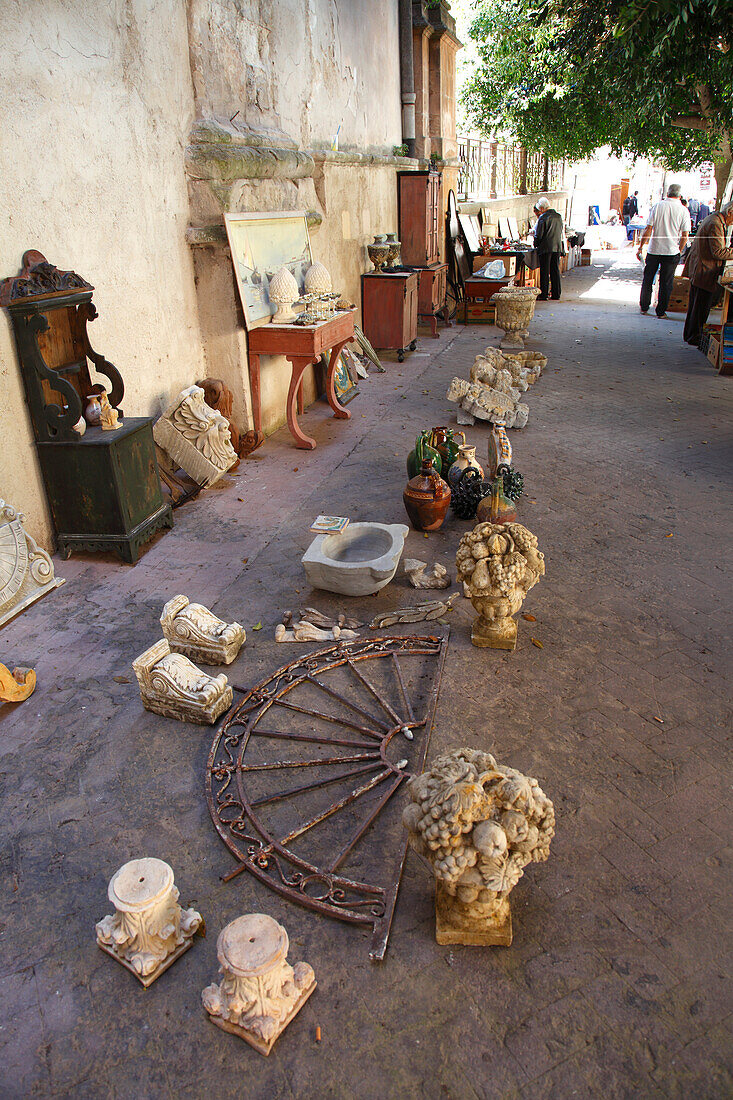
(260, 245)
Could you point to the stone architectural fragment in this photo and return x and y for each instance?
(259, 992)
(479, 824)
(26, 571)
(195, 437)
(192, 629)
(172, 685)
(435, 609)
(494, 389)
(438, 576)
(498, 564)
(148, 930)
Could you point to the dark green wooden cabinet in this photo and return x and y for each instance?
(103, 487)
(104, 490)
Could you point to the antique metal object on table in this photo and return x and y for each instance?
(389, 310)
(103, 487)
(305, 776)
(302, 346)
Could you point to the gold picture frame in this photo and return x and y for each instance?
(260, 245)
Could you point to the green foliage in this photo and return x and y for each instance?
(399, 151)
(569, 76)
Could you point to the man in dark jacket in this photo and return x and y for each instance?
(549, 241)
(703, 267)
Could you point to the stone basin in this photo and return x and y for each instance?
(357, 561)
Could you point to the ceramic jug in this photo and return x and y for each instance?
(426, 498)
(423, 450)
(466, 458)
(496, 507)
(445, 443)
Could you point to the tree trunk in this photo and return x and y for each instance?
(722, 169)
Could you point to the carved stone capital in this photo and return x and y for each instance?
(172, 685)
(196, 437)
(192, 629)
(259, 992)
(148, 930)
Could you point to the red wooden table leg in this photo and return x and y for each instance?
(299, 364)
(338, 410)
(254, 387)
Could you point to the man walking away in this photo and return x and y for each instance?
(703, 267)
(634, 205)
(626, 210)
(548, 242)
(667, 231)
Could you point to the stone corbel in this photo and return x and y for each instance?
(192, 629)
(172, 685)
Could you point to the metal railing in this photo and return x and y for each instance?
(496, 170)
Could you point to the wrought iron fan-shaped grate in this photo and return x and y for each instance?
(354, 722)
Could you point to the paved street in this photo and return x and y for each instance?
(618, 983)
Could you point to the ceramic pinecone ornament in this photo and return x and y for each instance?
(317, 280)
(283, 292)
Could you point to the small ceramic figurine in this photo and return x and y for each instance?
(93, 410)
(426, 499)
(108, 417)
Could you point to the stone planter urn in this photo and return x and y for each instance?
(378, 251)
(498, 564)
(514, 310)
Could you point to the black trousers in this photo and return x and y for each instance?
(666, 265)
(550, 274)
(698, 308)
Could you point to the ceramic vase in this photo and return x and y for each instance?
(466, 459)
(444, 441)
(426, 499)
(394, 249)
(378, 252)
(496, 507)
(423, 450)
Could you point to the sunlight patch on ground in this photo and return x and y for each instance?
(620, 281)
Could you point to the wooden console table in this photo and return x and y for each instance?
(302, 345)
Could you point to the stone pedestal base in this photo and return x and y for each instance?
(264, 1047)
(501, 634)
(512, 340)
(454, 925)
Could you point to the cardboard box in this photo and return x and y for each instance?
(680, 295)
(510, 263)
(585, 257)
(713, 351)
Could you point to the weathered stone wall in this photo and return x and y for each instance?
(96, 171)
(97, 107)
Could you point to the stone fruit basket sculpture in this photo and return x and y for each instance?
(498, 564)
(479, 824)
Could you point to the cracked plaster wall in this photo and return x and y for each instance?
(305, 66)
(97, 108)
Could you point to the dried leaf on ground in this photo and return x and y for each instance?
(121, 680)
(530, 618)
(537, 643)
(257, 626)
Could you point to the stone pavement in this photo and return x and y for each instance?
(618, 981)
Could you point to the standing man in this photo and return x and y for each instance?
(667, 231)
(703, 267)
(548, 241)
(634, 205)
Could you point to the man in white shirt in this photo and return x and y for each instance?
(667, 231)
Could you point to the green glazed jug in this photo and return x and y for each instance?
(423, 450)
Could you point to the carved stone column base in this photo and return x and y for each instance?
(172, 685)
(260, 992)
(148, 930)
(453, 924)
(501, 634)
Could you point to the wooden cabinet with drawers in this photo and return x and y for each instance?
(389, 304)
(432, 286)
